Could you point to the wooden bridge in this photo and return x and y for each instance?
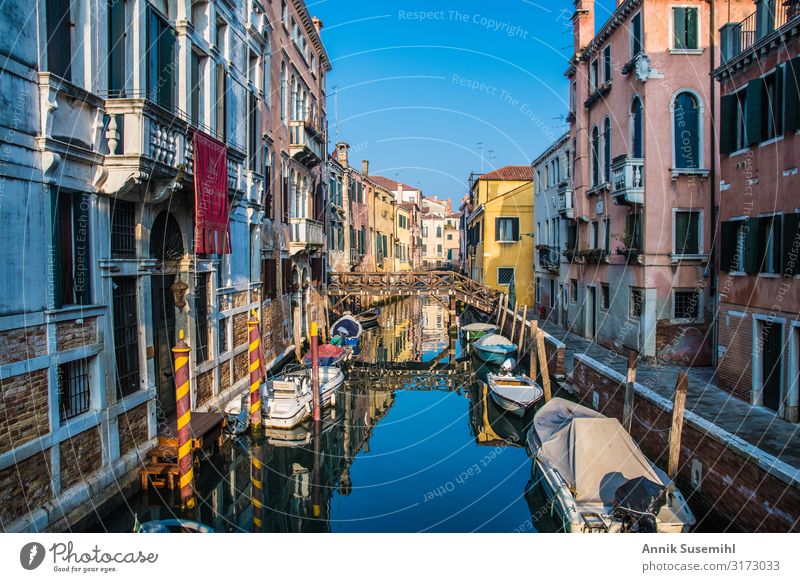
(441, 285)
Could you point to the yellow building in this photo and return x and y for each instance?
(382, 225)
(500, 231)
(404, 240)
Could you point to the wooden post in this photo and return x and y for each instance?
(532, 355)
(627, 413)
(678, 407)
(505, 312)
(522, 329)
(514, 323)
(543, 365)
(499, 307)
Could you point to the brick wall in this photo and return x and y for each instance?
(205, 387)
(241, 299)
(239, 329)
(734, 485)
(225, 375)
(133, 428)
(24, 487)
(22, 344)
(240, 365)
(734, 371)
(81, 455)
(23, 409)
(69, 335)
(685, 344)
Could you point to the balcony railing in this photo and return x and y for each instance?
(771, 15)
(305, 233)
(549, 258)
(305, 143)
(627, 180)
(565, 199)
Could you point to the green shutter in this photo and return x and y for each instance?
(80, 234)
(679, 28)
(790, 265)
(727, 124)
(55, 254)
(515, 228)
(755, 93)
(116, 47)
(728, 245)
(752, 258)
(792, 95)
(691, 28)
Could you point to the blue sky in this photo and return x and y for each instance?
(417, 85)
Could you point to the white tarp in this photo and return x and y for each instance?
(593, 454)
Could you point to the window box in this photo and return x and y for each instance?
(594, 255)
(702, 172)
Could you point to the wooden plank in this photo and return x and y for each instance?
(505, 312)
(675, 431)
(522, 330)
(534, 332)
(627, 413)
(543, 365)
(499, 308)
(514, 323)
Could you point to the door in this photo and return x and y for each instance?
(771, 359)
(163, 339)
(591, 313)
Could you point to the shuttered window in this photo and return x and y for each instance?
(636, 34)
(637, 143)
(116, 48)
(507, 229)
(792, 95)
(595, 156)
(607, 64)
(687, 232)
(686, 120)
(753, 112)
(160, 60)
(772, 112)
(791, 245)
(684, 28)
(59, 45)
(70, 249)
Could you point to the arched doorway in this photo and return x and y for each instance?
(166, 246)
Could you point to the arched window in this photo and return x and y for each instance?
(637, 149)
(283, 91)
(607, 150)
(267, 71)
(686, 130)
(595, 156)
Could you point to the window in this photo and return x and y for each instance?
(116, 47)
(284, 13)
(772, 111)
(733, 122)
(201, 316)
(438, 232)
(685, 30)
(126, 335)
(197, 66)
(123, 229)
(573, 290)
(507, 229)
(686, 304)
(74, 392)
(552, 293)
(595, 145)
(449, 237)
(607, 150)
(636, 302)
(70, 249)
(59, 44)
(769, 244)
(687, 232)
(686, 131)
(538, 291)
(594, 235)
(505, 275)
(253, 140)
(605, 299)
(637, 128)
(594, 76)
(633, 231)
(221, 104)
(223, 336)
(636, 34)
(160, 60)
(607, 235)
(607, 64)
(438, 249)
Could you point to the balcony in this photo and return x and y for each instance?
(566, 207)
(770, 16)
(305, 234)
(549, 258)
(305, 143)
(627, 180)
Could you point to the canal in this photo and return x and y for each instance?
(413, 444)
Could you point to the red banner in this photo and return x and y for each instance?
(210, 196)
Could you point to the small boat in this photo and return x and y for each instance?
(171, 526)
(288, 401)
(515, 393)
(597, 477)
(369, 318)
(329, 355)
(236, 415)
(494, 348)
(475, 331)
(348, 328)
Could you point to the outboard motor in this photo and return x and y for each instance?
(508, 366)
(637, 503)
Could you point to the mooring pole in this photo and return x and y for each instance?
(543, 365)
(255, 371)
(180, 355)
(315, 372)
(513, 323)
(678, 407)
(257, 491)
(532, 356)
(630, 386)
(505, 312)
(522, 330)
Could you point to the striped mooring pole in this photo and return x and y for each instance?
(257, 491)
(180, 355)
(315, 372)
(255, 371)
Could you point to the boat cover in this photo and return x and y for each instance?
(494, 340)
(346, 327)
(328, 355)
(473, 327)
(593, 454)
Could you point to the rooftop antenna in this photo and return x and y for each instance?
(336, 111)
(563, 120)
(480, 148)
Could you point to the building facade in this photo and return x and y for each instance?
(150, 183)
(758, 323)
(500, 236)
(640, 248)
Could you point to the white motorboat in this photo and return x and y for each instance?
(596, 476)
(288, 401)
(515, 393)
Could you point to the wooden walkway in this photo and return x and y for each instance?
(439, 284)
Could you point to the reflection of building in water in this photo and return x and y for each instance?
(396, 338)
(434, 326)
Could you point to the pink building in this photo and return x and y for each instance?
(759, 319)
(641, 275)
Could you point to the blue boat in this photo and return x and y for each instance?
(494, 349)
(348, 328)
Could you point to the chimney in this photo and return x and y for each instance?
(317, 24)
(583, 23)
(342, 150)
(365, 168)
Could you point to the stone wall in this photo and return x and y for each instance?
(22, 344)
(133, 428)
(23, 409)
(745, 485)
(81, 455)
(24, 487)
(70, 335)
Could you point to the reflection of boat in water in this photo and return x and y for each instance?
(491, 424)
(597, 478)
(349, 329)
(288, 400)
(171, 526)
(494, 348)
(302, 434)
(369, 318)
(515, 393)
(330, 355)
(475, 331)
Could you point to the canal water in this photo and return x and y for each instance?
(413, 444)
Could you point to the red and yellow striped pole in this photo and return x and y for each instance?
(255, 371)
(180, 355)
(257, 491)
(315, 372)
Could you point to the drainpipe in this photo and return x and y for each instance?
(712, 259)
